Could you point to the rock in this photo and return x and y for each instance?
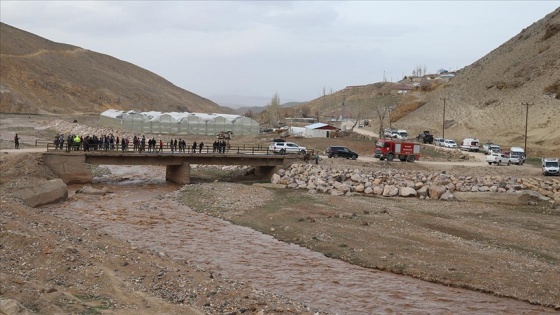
(360, 188)
(407, 192)
(447, 196)
(390, 191)
(435, 192)
(275, 178)
(423, 191)
(51, 191)
(378, 190)
(368, 190)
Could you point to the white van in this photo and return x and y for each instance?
(517, 155)
(550, 167)
(470, 144)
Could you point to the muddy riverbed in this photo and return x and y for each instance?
(143, 210)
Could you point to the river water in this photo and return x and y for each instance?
(142, 211)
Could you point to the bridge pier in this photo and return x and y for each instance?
(71, 168)
(178, 174)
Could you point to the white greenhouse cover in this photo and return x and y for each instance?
(178, 116)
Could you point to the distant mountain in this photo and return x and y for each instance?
(260, 109)
(237, 101)
(40, 76)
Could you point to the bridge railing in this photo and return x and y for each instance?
(164, 149)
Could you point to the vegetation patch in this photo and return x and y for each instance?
(554, 88)
(551, 30)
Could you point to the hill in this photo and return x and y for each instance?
(41, 76)
(483, 100)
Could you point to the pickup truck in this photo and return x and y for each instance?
(498, 159)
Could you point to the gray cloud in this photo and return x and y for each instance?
(294, 48)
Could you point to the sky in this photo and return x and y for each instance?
(295, 49)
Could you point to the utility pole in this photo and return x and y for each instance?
(526, 123)
(443, 123)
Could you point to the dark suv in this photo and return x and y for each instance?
(336, 151)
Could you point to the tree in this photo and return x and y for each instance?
(249, 113)
(381, 111)
(274, 110)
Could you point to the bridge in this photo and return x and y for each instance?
(75, 166)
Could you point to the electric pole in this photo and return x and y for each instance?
(526, 123)
(443, 123)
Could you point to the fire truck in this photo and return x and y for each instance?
(391, 149)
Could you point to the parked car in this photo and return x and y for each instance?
(490, 147)
(339, 151)
(550, 167)
(438, 141)
(498, 159)
(286, 147)
(517, 155)
(448, 143)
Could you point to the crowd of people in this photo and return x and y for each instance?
(136, 144)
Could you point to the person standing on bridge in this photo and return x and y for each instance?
(200, 146)
(194, 147)
(16, 141)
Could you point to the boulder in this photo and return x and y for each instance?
(275, 178)
(447, 196)
(378, 190)
(390, 191)
(435, 192)
(360, 188)
(407, 192)
(423, 191)
(50, 191)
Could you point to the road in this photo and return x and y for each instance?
(479, 157)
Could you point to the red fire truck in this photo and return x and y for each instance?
(390, 149)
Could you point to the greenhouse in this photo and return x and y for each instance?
(183, 123)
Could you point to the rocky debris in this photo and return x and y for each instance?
(93, 191)
(53, 190)
(338, 181)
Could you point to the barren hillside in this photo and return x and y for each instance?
(485, 98)
(38, 75)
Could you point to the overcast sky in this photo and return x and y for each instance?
(295, 49)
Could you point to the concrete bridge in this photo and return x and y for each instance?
(75, 166)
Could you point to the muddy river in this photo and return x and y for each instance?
(142, 210)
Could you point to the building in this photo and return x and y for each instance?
(319, 130)
(179, 123)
